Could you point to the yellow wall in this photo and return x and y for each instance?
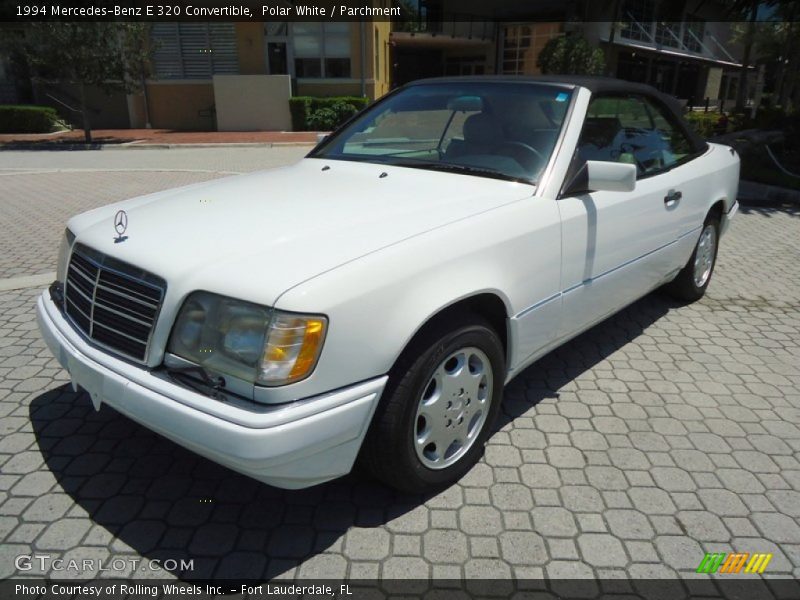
(379, 32)
(376, 83)
(176, 105)
(541, 34)
(328, 89)
(250, 48)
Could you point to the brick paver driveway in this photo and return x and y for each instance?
(664, 433)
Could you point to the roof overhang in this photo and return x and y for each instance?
(436, 40)
(675, 53)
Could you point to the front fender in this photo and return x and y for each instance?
(377, 303)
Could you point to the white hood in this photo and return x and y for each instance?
(255, 236)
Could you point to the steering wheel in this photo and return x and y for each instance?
(527, 156)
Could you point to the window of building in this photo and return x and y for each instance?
(668, 34)
(637, 20)
(632, 130)
(321, 50)
(693, 31)
(522, 44)
(465, 65)
(193, 50)
(516, 43)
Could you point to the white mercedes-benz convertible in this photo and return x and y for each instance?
(369, 303)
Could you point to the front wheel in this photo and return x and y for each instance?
(438, 409)
(692, 282)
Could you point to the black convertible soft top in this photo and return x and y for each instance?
(596, 85)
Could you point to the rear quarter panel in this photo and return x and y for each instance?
(706, 180)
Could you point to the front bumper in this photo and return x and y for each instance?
(290, 445)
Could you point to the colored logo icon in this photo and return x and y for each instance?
(723, 563)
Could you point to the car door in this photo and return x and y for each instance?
(687, 182)
(616, 244)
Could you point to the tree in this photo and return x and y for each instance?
(111, 56)
(410, 16)
(570, 55)
(777, 45)
(741, 91)
(768, 36)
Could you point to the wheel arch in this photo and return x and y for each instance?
(488, 305)
(718, 209)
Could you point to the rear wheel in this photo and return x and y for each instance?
(438, 408)
(692, 282)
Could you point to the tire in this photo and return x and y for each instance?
(692, 281)
(447, 385)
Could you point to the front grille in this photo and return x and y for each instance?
(113, 303)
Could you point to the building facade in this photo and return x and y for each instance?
(316, 59)
(689, 52)
(194, 66)
(207, 76)
(694, 56)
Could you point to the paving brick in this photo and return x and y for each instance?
(679, 552)
(723, 503)
(629, 524)
(777, 527)
(63, 534)
(445, 547)
(511, 496)
(553, 521)
(602, 550)
(523, 548)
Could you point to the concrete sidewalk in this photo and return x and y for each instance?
(132, 138)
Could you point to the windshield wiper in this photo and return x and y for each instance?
(457, 168)
(200, 380)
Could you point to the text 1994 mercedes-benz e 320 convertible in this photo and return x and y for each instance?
(371, 301)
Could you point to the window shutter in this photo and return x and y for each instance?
(167, 54)
(194, 50)
(223, 48)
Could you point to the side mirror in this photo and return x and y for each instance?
(602, 176)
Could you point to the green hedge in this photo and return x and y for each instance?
(707, 124)
(310, 113)
(27, 119)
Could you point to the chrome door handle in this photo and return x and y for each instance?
(672, 197)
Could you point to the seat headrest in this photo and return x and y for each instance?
(600, 131)
(481, 128)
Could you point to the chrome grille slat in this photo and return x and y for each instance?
(123, 302)
(83, 314)
(79, 290)
(118, 332)
(80, 272)
(121, 314)
(128, 296)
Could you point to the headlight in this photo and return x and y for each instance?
(63, 255)
(248, 341)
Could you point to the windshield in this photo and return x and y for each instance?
(490, 129)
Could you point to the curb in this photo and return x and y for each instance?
(27, 281)
(52, 146)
